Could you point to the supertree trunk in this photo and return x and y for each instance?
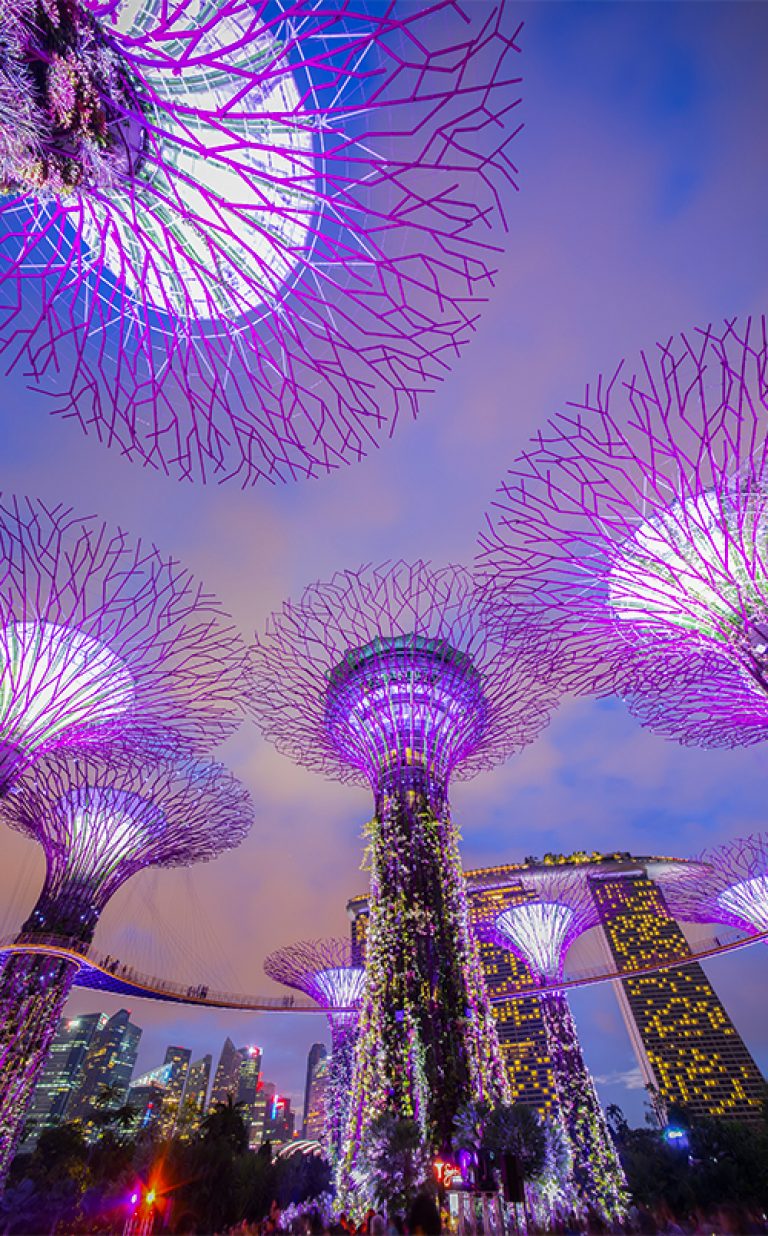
(597, 1172)
(340, 1073)
(33, 991)
(427, 1043)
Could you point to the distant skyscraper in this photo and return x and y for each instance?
(148, 1095)
(178, 1058)
(193, 1102)
(227, 1079)
(687, 1045)
(109, 1061)
(317, 1052)
(314, 1123)
(280, 1120)
(261, 1127)
(63, 1072)
(248, 1082)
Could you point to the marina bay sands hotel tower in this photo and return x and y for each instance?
(687, 1046)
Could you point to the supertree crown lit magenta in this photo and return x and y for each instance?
(248, 237)
(553, 912)
(635, 526)
(100, 820)
(104, 639)
(323, 969)
(729, 884)
(326, 971)
(393, 668)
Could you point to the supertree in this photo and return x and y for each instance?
(102, 638)
(729, 884)
(242, 238)
(635, 525)
(100, 820)
(326, 971)
(389, 678)
(540, 929)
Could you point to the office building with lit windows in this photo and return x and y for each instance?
(109, 1061)
(315, 1095)
(195, 1094)
(226, 1083)
(62, 1073)
(148, 1095)
(317, 1052)
(177, 1059)
(687, 1046)
(248, 1079)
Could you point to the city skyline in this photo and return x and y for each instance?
(93, 1050)
(623, 257)
(489, 888)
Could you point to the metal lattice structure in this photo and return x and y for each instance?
(103, 638)
(326, 971)
(635, 526)
(542, 929)
(322, 659)
(322, 969)
(554, 911)
(243, 239)
(731, 888)
(99, 821)
(389, 677)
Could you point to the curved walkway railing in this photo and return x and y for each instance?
(108, 974)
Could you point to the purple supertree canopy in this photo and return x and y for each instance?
(102, 638)
(635, 526)
(540, 929)
(323, 969)
(393, 668)
(100, 819)
(248, 236)
(729, 884)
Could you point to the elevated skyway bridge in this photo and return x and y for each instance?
(106, 973)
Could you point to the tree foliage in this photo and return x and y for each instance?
(393, 1164)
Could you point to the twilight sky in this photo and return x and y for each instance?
(644, 178)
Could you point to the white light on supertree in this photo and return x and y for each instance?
(748, 900)
(211, 204)
(341, 986)
(103, 639)
(53, 678)
(634, 528)
(246, 238)
(540, 931)
(701, 565)
(729, 884)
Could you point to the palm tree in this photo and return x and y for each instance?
(109, 1095)
(109, 1112)
(225, 1122)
